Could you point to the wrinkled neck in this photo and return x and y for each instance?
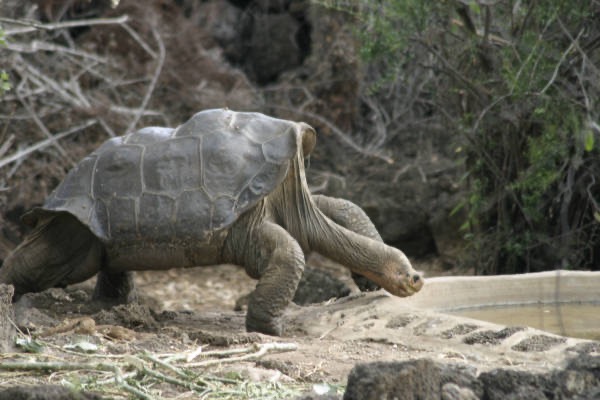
(359, 253)
(294, 209)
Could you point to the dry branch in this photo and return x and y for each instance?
(139, 40)
(39, 45)
(563, 57)
(261, 350)
(33, 26)
(141, 373)
(152, 85)
(42, 127)
(341, 135)
(44, 143)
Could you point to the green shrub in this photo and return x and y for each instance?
(5, 85)
(519, 85)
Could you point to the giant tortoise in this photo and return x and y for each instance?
(224, 187)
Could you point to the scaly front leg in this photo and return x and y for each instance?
(277, 260)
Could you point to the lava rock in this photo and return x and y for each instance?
(410, 380)
(427, 379)
(45, 392)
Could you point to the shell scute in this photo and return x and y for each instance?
(223, 213)
(170, 185)
(263, 181)
(172, 166)
(280, 149)
(81, 184)
(193, 217)
(158, 217)
(117, 173)
(227, 163)
(148, 135)
(122, 218)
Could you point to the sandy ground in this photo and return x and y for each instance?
(182, 311)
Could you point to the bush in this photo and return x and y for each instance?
(4, 81)
(518, 85)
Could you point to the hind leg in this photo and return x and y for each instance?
(58, 252)
(117, 287)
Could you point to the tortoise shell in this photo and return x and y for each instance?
(165, 185)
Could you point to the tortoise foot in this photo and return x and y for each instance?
(273, 327)
(115, 288)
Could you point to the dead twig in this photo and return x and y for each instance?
(44, 143)
(260, 350)
(38, 45)
(41, 79)
(33, 26)
(139, 40)
(42, 127)
(152, 85)
(141, 373)
(6, 145)
(344, 138)
(574, 44)
(188, 385)
(74, 366)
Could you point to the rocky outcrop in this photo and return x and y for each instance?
(428, 379)
(45, 392)
(264, 38)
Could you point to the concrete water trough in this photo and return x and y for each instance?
(562, 302)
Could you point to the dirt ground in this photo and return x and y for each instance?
(178, 312)
(185, 326)
(184, 323)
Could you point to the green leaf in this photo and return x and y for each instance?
(597, 216)
(588, 140)
(465, 226)
(5, 85)
(475, 9)
(459, 206)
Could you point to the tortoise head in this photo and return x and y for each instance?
(396, 275)
(403, 280)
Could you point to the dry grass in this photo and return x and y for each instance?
(86, 363)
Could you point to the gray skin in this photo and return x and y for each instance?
(224, 187)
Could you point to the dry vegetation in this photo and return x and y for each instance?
(91, 364)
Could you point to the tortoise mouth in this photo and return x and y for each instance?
(408, 286)
(406, 291)
(403, 286)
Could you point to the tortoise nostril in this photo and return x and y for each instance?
(416, 278)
